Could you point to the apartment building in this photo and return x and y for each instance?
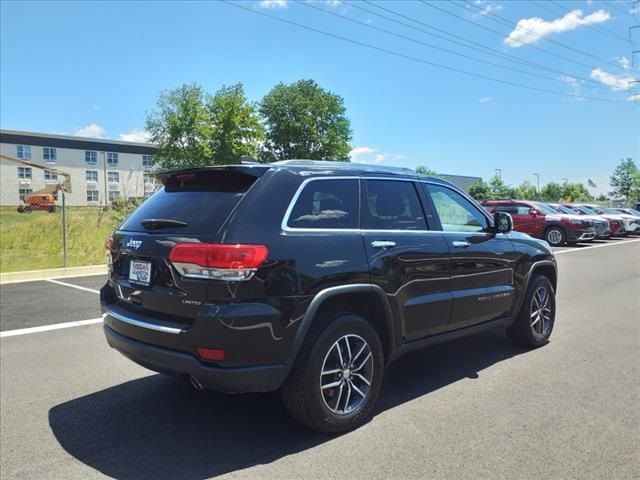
(101, 170)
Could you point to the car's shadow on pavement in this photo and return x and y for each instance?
(161, 428)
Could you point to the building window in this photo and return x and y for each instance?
(146, 160)
(114, 195)
(91, 157)
(92, 195)
(113, 177)
(23, 151)
(50, 176)
(112, 158)
(92, 175)
(49, 154)
(25, 173)
(23, 192)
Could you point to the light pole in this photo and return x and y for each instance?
(537, 181)
(104, 179)
(498, 173)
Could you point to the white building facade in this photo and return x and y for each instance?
(101, 170)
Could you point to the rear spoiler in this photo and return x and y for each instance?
(252, 169)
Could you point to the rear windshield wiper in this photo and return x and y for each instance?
(156, 223)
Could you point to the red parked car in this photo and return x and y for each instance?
(541, 221)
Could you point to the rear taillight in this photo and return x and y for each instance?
(217, 261)
(108, 245)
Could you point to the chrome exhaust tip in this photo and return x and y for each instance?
(196, 384)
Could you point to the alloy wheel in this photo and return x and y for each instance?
(540, 313)
(347, 373)
(554, 237)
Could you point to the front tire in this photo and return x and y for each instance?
(534, 324)
(555, 236)
(337, 377)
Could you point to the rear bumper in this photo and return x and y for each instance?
(229, 380)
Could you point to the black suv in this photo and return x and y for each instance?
(313, 277)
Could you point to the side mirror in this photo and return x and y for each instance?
(502, 221)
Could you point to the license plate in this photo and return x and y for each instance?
(140, 272)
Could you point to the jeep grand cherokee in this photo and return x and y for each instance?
(312, 277)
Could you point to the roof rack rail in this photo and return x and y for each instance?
(328, 163)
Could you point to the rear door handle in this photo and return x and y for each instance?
(383, 244)
(460, 244)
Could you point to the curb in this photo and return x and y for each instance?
(35, 275)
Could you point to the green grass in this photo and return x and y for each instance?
(34, 241)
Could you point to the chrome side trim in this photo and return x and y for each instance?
(138, 323)
(287, 213)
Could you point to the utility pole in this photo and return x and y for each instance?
(537, 175)
(498, 173)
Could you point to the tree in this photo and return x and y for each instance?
(576, 192)
(480, 190)
(499, 189)
(180, 127)
(625, 180)
(192, 129)
(236, 127)
(552, 192)
(305, 121)
(526, 191)
(422, 170)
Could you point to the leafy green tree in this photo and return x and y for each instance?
(480, 190)
(526, 191)
(422, 170)
(236, 130)
(625, 180)
(576, 192)
(552, 192)
(499, 189)
(193, 129)
(305, 121)
(602, 198)
(180, 127)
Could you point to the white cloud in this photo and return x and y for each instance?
(615, 82)
(272, 4)
(334, 3)
(359, 152)
(364, 154)
(94, 130)
(575, 84)
(490, 8)
(135, 135)
(530, 30)
(485, 99)
(624, 63)
(634, 98)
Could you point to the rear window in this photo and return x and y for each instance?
(201, 200)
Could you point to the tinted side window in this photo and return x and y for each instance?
(392, 205)
(326, 204)
(457, 214)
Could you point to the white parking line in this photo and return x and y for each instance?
(72, 285)
(46, 328)
(580, 249)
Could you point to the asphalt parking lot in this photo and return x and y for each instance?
(70, 407)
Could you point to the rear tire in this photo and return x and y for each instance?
(534, 324)
(350, 339)
(555, 236)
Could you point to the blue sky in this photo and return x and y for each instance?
(95, 68)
